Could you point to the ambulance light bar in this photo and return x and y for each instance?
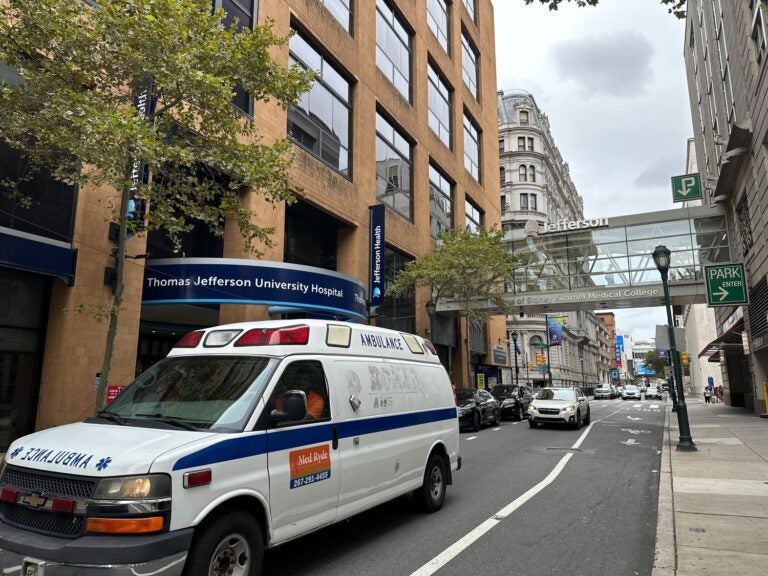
(274, 336)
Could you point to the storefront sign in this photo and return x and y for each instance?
(235, 281)
(499, 355)
(760, 341)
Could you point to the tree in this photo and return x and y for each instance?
(73, 113)
(676, 7)
(470, 268)
(658, 364)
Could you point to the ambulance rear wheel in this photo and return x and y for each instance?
(431, 495)
(231, 545)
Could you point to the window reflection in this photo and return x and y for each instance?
(319, 122)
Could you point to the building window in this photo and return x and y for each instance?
(521, 143)
(759, 9)
(341, 10)
(470, 6)
(523, 201)
(471, 148)
(532, 173)
(437, 19)
(473, 217)
(393, 168)
(51, 213)
(393, 49)
(522, 173)
(439, 106)
(744, 223)
(469, 65)
(530, 144)
(501, 146)
(503, 204)
(396, 312)
(502, 175)
(320, 120)
(440, 203)
(243, 11)
(523, 117)
(532, 202)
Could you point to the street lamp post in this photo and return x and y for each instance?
(431, 308)
(514, 345)
(661, 257)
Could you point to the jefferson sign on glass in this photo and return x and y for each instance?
(565, 225)
(726, 284)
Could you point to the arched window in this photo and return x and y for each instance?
(532, 173)
(502, 176)
(523, 173)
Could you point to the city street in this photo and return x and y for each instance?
(511, 512)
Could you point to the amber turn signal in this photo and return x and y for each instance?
(124, 525)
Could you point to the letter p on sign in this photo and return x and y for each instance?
(686, 187)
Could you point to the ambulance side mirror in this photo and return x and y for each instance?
(294, 407)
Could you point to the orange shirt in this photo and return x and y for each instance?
(315, 404)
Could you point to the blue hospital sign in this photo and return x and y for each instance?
(235, 281)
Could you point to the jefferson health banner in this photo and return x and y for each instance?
(555, 329)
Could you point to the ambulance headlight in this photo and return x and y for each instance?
(134, 487)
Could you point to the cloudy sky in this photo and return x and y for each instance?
(611, 79)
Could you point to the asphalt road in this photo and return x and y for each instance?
(520, 505)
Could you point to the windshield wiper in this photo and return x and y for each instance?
(112, 417)
(172, 420)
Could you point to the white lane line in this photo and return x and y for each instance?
(472, 438)
(637, 405)
(654, 406)
(496, 429)
(478, 532)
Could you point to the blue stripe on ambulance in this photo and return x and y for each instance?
(256, 443)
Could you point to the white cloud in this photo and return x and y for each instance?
(598, 65)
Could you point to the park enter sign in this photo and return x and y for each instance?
(686, 187)
(726, 284)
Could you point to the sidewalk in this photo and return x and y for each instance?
(713, 503)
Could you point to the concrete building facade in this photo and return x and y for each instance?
(403, 114)
(726, 57)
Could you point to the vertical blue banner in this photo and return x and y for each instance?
(376, 258)
(555, 330)
(138, 171)
(620, 342)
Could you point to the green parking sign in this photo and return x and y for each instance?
(726, 284)
(686, 187)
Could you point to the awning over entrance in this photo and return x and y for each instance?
(37, 254)
(731, 338)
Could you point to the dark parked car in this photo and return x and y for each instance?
(477, 407)
(513, 404)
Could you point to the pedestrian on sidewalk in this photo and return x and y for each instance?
(707, 395)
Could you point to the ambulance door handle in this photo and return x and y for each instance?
(335, 442)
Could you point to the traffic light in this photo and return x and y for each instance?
(540, 358)
(684, 358)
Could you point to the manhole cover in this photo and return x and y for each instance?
(572, 450)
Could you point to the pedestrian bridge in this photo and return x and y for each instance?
(607, 263)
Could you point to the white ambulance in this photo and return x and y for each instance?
(245, 437)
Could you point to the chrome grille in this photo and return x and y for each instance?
(57, 484)
(41, 520)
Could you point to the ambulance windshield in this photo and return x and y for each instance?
(212, 393)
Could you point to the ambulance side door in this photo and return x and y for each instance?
(303, 462)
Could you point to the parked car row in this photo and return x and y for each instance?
(546, 406)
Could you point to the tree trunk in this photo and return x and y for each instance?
(117, 303)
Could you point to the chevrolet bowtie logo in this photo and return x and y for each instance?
(34, 500)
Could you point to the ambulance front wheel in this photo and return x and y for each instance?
(231, 545)
(432, 492)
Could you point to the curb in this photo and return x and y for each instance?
(665, 555)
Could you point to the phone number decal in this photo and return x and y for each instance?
(311, 479)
